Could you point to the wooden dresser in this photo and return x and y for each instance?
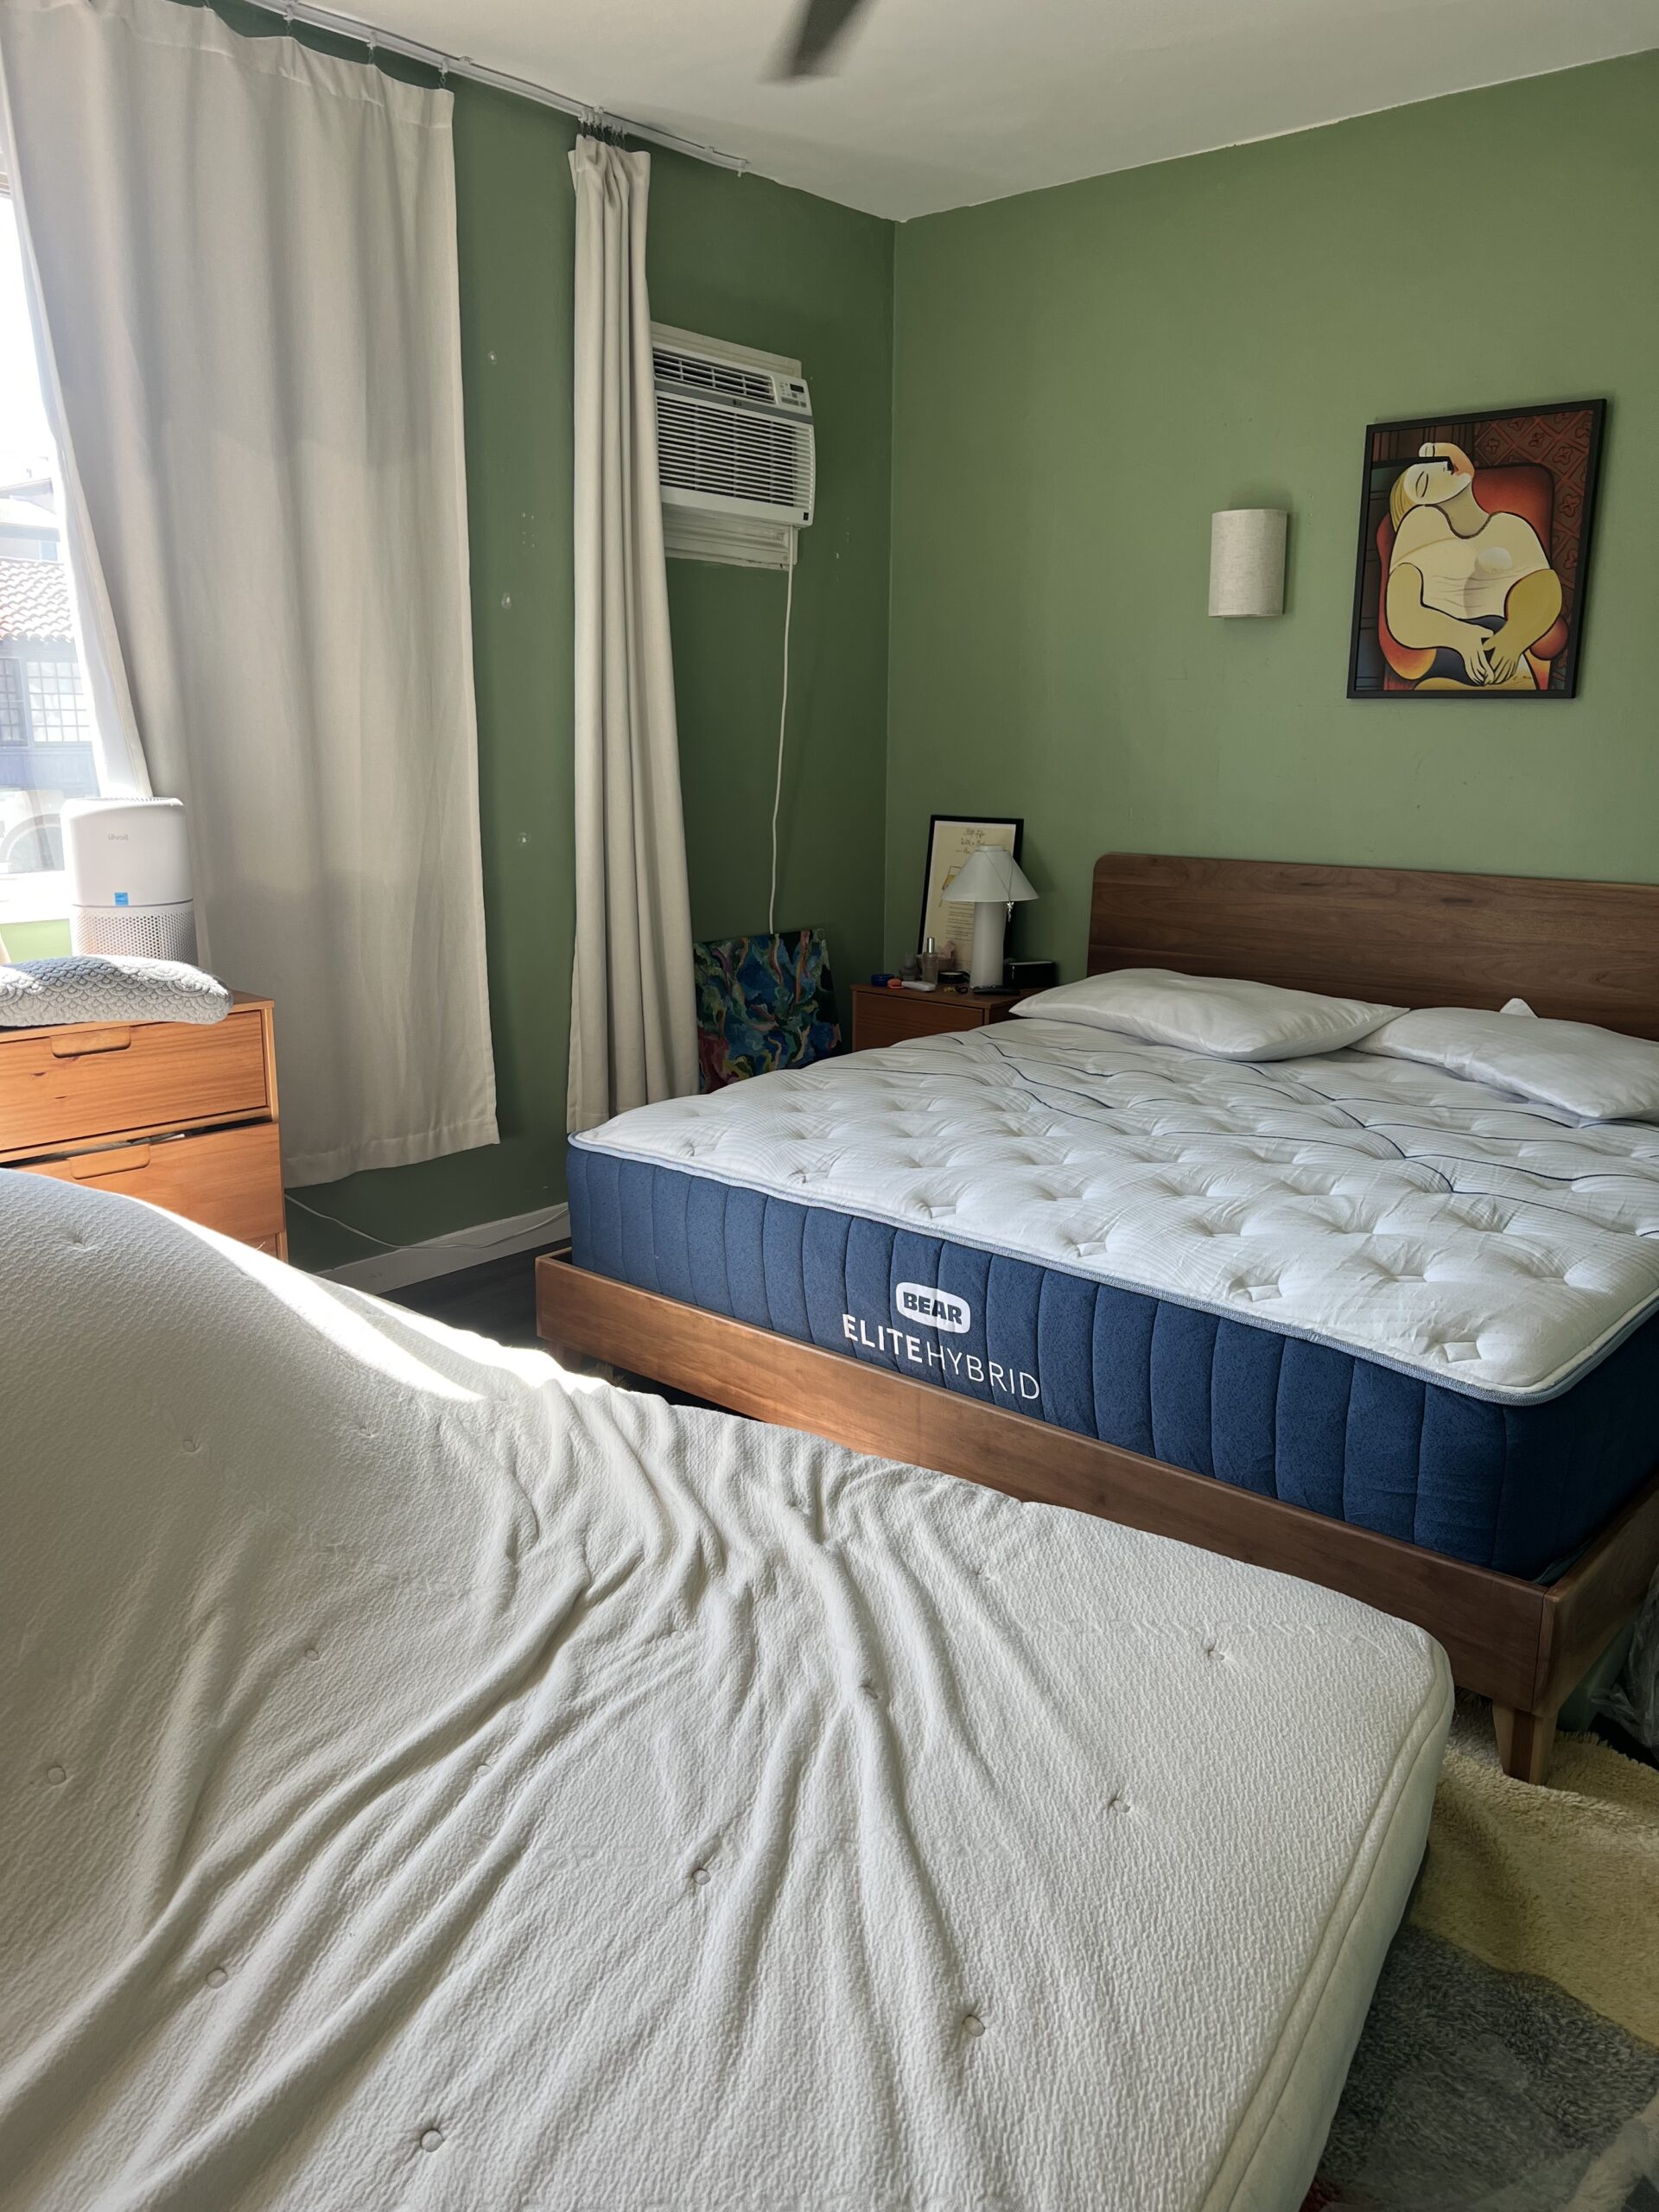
(182, 1113)
(885, 1017)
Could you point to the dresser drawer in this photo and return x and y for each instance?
(228, 1180)
(60, 1087)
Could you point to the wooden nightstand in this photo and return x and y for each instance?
(884, 1017)
(181, 1113)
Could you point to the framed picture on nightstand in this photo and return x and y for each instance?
(952, 839)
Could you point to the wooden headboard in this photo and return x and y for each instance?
(1575, 951)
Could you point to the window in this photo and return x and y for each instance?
(47, 753)
(14, 725)
(57, 705)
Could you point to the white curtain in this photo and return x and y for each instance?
(634, 1033)
(243, 257)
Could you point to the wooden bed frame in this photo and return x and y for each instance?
(1579, 951)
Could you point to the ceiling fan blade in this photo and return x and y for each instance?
(821, 27)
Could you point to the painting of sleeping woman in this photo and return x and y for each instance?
(1473, 535)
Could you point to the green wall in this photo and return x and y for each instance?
(1083, 375)
(742, 259)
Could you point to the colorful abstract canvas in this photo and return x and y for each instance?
(1473, 535)
(763, 1002)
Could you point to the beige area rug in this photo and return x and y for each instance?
(1510, 2061)
(1561, 1881)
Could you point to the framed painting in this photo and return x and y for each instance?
(1474, 537)
(952, 839)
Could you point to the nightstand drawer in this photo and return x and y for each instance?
(884, 1017)
(895, 1017)
(59, 1087)
(228, 1180)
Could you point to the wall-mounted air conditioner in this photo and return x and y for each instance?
(735, 452)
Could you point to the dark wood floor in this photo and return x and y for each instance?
(497, 1299)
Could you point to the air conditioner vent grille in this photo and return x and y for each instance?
(727, 379)
(760, 459)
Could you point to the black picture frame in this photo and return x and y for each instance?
(1014, 821)
(1572, 512)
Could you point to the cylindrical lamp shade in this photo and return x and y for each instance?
(1247, 561)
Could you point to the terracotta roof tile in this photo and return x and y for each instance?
(35, 602)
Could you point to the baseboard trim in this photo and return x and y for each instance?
(451, 1254)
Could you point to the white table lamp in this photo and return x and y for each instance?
(990, 882)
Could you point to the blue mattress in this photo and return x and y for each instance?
(1517, 1488)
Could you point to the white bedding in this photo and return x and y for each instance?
(433, 1782)
(1421, 1219)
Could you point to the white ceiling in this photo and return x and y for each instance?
(941, 103)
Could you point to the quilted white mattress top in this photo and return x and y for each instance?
(1422, 1220)
(435, 1783)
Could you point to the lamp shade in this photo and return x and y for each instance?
(1247, 561)
(990, 874)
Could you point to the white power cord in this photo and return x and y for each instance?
(444, 1243)
(783, 720)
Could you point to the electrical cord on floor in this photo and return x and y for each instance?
(783, 721)
(443, 1244)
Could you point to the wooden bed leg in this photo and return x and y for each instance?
(1524, 1742)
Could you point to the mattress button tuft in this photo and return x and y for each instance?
(432, 2139)
(56, 1774)
(700, 1876)
(972, 2025)
(217, 1977)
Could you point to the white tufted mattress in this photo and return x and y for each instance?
(432, 1782)
(1430, 1224)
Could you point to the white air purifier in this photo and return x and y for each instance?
(129, 878)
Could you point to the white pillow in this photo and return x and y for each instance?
(1593, 1074)
(1217, 1014)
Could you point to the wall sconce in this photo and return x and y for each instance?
(1247, 561)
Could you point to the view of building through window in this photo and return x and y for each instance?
(46, 728)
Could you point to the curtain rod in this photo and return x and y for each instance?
(463, 65)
